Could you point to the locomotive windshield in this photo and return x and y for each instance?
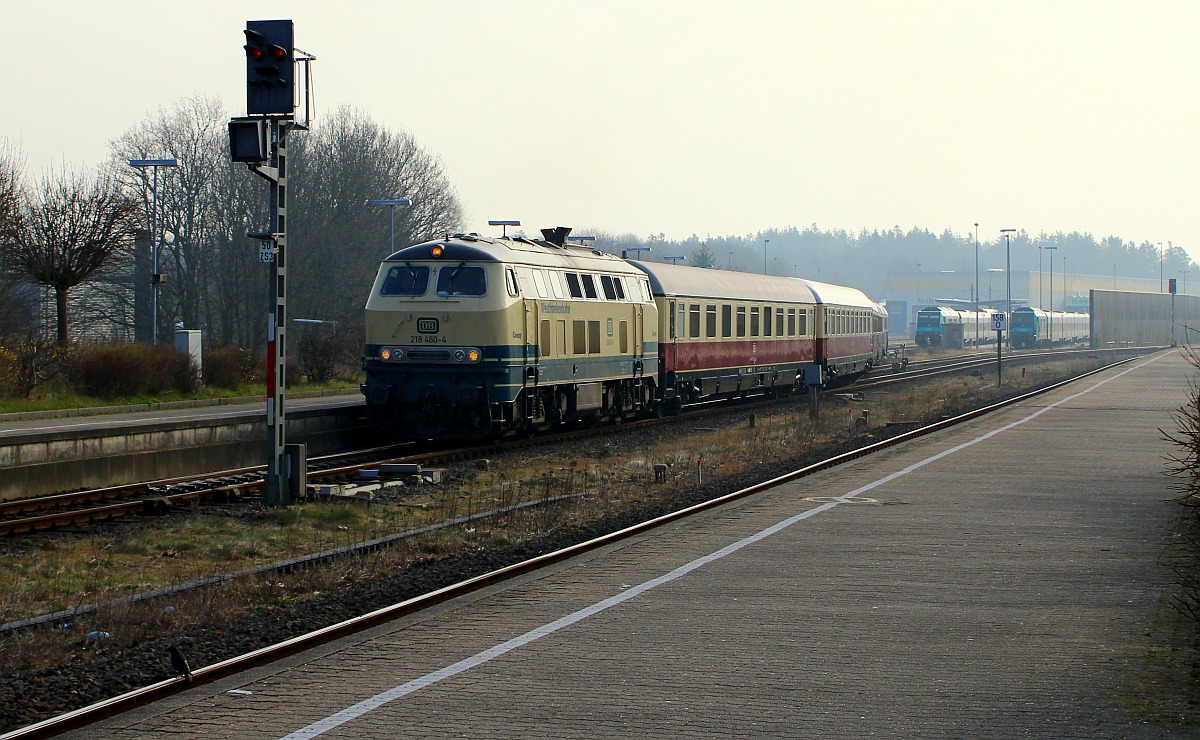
(405, 280)
(1024, 319)
(462, 280)
(928, 320)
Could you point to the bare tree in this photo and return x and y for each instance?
(193, 226)
(72, 226)
(336, 237)
(15, 300)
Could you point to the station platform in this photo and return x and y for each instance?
(994, 579)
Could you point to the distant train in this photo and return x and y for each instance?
(939, 326)
(1034, 327)
(471, 336)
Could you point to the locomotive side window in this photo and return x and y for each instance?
(623, 335)
(539, 282)
(619, 283)
(544, 339)
(710, 320)
(589, 286)
(573, 284)
(579, 337)
(405, 280)
(468, 280)
(510, 279)
(593, 331)
(560, 336)
(556, 285)
(610, 292)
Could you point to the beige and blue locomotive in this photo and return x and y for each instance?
(471, 336)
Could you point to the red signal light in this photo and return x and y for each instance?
(278, 53)
(254, 52)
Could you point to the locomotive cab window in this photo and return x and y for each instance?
(463, 280)
(510, 279)
(610, 292)
(589, 286)
(573, 284)
(405, 280)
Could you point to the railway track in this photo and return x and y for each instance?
(234, 665)
(83, 508)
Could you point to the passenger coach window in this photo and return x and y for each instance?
(694, 321)
(462, 280)
(741, 321)
(727, 320)
(754, 321)
(405, 280)
(779, 322)
(803, 322)
(792, 322)
(710, 320)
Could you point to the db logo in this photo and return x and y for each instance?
(427, 326)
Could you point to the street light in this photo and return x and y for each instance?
(1160, 268)
(156, 278)
(1048, 248)
(1008, 272)
(990, 271)
(977, 281)
(765, 243)
(391, 204)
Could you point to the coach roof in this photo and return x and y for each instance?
(701, 282)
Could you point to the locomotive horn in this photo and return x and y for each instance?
(556, 236)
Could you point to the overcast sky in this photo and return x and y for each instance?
(698, 116)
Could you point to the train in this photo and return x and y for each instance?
(1035, 327)
(472, 337)
(940, 326)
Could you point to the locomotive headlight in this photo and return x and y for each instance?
(459, 355)
(385, 354)
(436, 251)
(473, 355)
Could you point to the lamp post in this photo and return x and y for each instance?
(1160, 268)
(1048, 248)
(765, 243)
(977, 281)
(990, 271)
(673, 257)
(1040, 304)
(391, 204)
(1008, 274)
(156, 277)
(729, 264)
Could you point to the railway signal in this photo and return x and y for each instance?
(270, 67)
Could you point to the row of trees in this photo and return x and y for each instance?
(865, 259)
(71, 228)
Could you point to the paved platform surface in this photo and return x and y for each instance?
(997, 579)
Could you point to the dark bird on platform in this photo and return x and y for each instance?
(180, 664)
